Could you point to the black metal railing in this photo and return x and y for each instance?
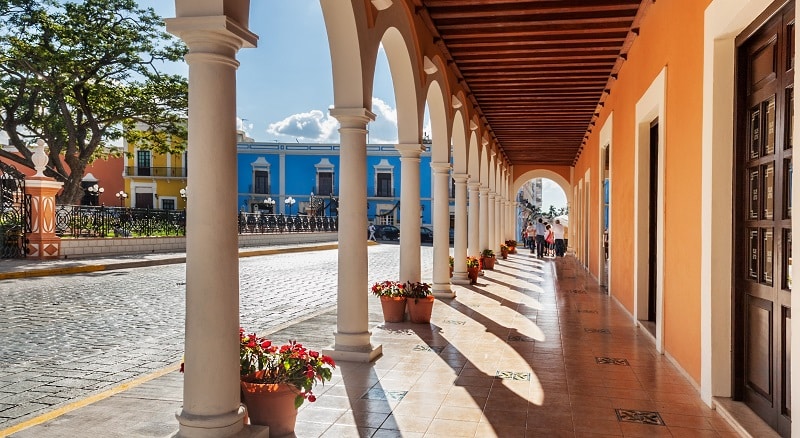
(81, 221)
(163, 172)
(261, 223)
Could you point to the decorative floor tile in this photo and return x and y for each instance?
(435, 349)
(512, 375)
(520, 338)
(587, 311)
(612, 361)
(454, 322)
(641, 417)
(602, 330)
(576, 291)
(379, 394)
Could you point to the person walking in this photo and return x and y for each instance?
(530, 232)
(372, 232)
(541, 231)
(558, 233)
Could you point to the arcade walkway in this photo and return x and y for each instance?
(533, 350)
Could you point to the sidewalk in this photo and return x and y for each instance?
(534, 349)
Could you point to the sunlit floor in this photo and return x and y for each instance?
(534, 349)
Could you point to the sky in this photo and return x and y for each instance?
(285, 86)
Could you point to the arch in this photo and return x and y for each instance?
(544, 173)
(459, 143)
(437, 107)
(404, 80)
(350, 89)
(473, 155)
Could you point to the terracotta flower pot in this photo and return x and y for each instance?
(271, 405)
(472, 273)
(512, 249)
(420, 309)
(488, 262)
(394, 308)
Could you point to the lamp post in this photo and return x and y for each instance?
(121, 195)
(95, 191)
(270, 204)
(290, 202)
(183, 194)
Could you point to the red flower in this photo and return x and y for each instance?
(311, 398)
(266, 343)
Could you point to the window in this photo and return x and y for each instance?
(325, 183)
(261, 181)
(168, 204)
(143, 163)
(384, 186)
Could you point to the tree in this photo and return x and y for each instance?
(83, 75)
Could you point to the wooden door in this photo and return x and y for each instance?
(762, 239)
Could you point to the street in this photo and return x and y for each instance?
(63, 338)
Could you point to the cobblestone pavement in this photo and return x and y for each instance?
(64, 338)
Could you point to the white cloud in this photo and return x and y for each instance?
(312, 126)
(552, 194)
(383, 109)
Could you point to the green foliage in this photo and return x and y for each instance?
(79, 75)
(487, 253)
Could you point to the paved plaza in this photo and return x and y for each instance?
(66, 337)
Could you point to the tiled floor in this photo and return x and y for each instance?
(533, 350)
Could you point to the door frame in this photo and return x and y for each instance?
(606, 140)
(652, 105)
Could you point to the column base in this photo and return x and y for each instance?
(460, 278)
(364, 354)
(218, 426)
(442, 291)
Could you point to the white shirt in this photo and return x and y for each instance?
(558, 230)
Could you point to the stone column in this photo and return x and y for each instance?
(211, 404)
(492, 219)
(441, 231)
(409, 211)
(474, 221)
(483, 242)
(352, 337)
(460, 233)
(42, 240)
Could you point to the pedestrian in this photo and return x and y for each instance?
(541, 231)
(372, 232)
(550, 241)
(558, 231)
(530, 232)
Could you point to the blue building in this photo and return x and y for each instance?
(270, 174)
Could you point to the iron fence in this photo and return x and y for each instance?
(81, 221)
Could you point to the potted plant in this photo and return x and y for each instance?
(487, 258)
(452, 263)
(276, 380)
(393, 300)
(512, 246)
(473, 267)
(420, 302)
(503, 251)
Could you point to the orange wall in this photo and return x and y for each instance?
(671, 35)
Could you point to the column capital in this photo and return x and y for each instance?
(461, 178)
(352, 117)
(484, 191)
(204, 34)
(440, 167)
(410, 150)
(475, 186)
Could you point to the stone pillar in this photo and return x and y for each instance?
(441, 231)
(409, 211)
(474, 222)
(42, 240)
(211, 403)
(460, 233)
(491, 242)
(352, 340)
(484, 220)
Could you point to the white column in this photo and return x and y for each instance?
(498, 222)
(441, 231)
(492, 219)
(460, 233)
(409, 211)
(352, 337)
(474, 224)
(211, 405)
(483, 242)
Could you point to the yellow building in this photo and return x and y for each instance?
(154, 180)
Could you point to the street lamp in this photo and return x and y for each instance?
(183, 194)
(121, 195)
(290, 202)
(95, 191)
(270, 204)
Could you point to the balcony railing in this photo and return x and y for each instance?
(158, 172)
(261, 223)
